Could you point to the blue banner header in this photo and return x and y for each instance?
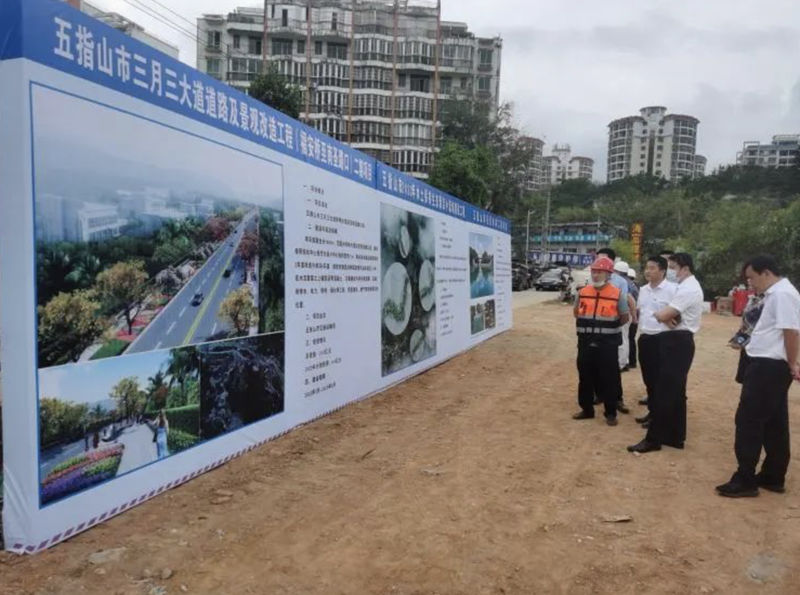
(56, 35)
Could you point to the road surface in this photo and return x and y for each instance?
(139, 447)
(180, 322)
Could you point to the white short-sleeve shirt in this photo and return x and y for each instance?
(781, 311)
(651, 300)
(688, 300)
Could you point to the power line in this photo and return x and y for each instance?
(154, 13)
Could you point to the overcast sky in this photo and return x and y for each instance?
(571, 68)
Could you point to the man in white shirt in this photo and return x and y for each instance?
(676, 352)
(762, 419)
(653, 297)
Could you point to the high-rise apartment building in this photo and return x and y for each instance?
(534, 179)
(368, 68)
(784, 151)
(654, 143)
(700, 163)
(562, 165)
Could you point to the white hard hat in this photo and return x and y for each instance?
(632, 273)
(621, 267)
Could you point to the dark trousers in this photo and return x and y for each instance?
(598, 373)
(632, 330)
(650, 364)
(668, 411)
(762, 420)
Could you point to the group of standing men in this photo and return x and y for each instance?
(668, 311)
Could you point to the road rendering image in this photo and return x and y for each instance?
(192, 315)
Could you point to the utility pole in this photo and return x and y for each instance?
(308, 62)
(264, 39)
(527, 235)
(352, 74)
(546, 226)
(437, 49)
(394, 84)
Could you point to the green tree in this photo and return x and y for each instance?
(172, 251)
(157, 391)
(471, 174)
(182, 368)
(61, 421)
(68, 324)
(129, 397)
(123, 287)
(238, 309)
(271, 274)
(275, 90)
(484, 158)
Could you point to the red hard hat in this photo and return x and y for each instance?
(603, 263)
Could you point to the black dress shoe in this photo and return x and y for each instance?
(583, 415)
(678, 445)
(611, 420)
(643, 419)
(772, 486)
(643, 401)
(622, 408)
(735, 489)
(644, 446)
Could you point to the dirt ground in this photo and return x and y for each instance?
(471, 478)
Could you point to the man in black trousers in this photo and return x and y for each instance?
(676, 352)
(762, 419)
(653, 297)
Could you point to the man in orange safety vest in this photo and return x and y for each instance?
(601, 310)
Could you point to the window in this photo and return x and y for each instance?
(281, 47)
(213, 66)
(213, 39)
(334, 21)
(484, 83)
(420, 84)
(284, 18)
(254, 45)
(463, 82)
(485, 57)
(337, 50)
(301, 46)
(401, 80)
(236, 41)
(318, 48)
(446, 85)
(273, 12)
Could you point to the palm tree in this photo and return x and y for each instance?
(156, 392)
(183, 365)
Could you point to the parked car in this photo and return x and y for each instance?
(197, 299)
(552, 280)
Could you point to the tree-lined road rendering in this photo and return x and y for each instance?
(191, 316)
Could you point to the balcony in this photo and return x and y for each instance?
(484, 68)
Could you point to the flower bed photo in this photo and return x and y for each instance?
(81, 472)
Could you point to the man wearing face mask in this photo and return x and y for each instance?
(676, 352)
(600, 311)
(653, 297)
